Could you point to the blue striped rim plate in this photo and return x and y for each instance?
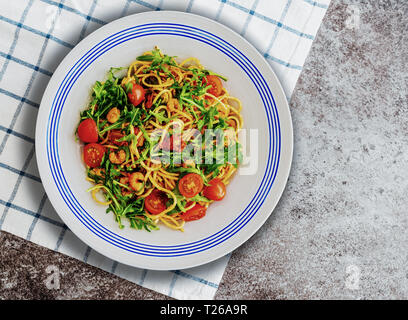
(252, 194)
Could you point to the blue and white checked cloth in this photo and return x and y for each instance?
(36, 35)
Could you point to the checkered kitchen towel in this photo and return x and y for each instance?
(35, 37)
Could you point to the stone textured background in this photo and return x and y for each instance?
(340, 229)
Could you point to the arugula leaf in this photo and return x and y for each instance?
(200, 198)
(108, 94)
(208, 118)
(128, 87)
(112, 71)
(160, 116)
(222, 124)
(181, 200)
(159, 60)
(216, 74)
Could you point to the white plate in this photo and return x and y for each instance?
(250, 198)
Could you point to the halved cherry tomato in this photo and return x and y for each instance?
(195, 213)
(216, 84)
(137, 94)
(88, 131)
(156, 202)
(93, 154)
(215, 190)
(190, 185)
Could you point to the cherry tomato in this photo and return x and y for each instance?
(93, 154)
(88, 131)
(190, 185)
(215, 190)
(156, 202)
(137, 95)
(195, 213)
(216, 85)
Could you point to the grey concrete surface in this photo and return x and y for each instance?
(340, 228)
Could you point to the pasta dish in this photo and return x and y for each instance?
(160, 141)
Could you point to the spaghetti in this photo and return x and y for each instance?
(161, 141)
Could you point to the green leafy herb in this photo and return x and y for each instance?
(159, 60)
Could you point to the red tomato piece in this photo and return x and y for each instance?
(195, 213)
(156, 202)
(191, 185)
(93, 154)
(215, 190)
(116, 134)
(88, 131)
(215, 83)
(137, 94)
(149, 101)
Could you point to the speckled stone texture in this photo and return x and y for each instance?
(340, 229)
(28, 271)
